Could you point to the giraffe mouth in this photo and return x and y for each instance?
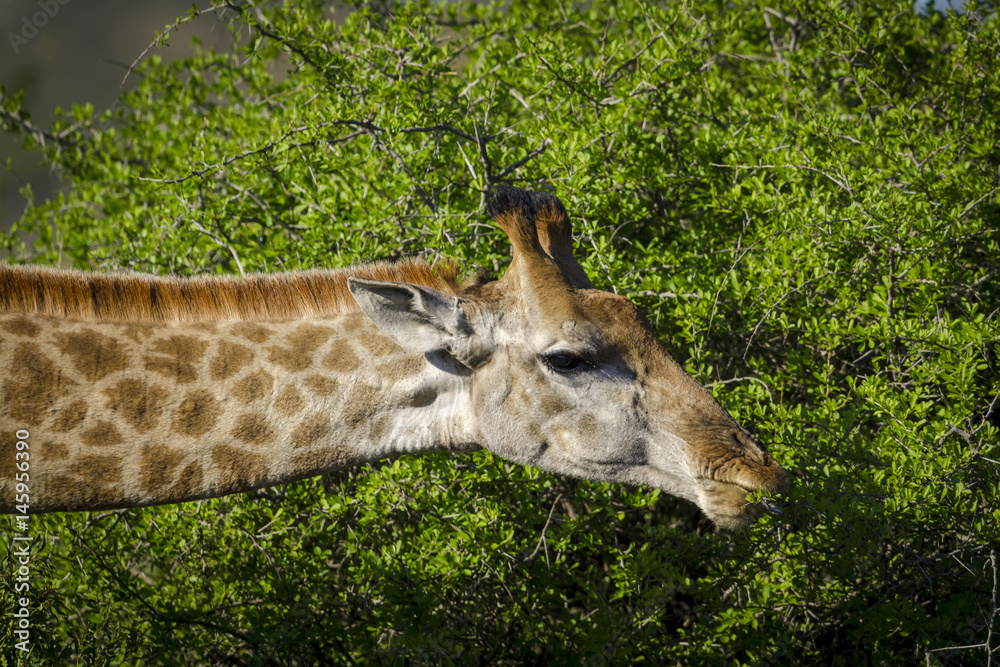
(726, 503)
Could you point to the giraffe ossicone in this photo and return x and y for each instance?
(139, 390)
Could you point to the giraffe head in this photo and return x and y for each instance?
(572, 379)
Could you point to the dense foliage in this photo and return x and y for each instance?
(804, 199)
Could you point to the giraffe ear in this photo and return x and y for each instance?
(418, 319)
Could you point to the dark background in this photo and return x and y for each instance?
(79, 56)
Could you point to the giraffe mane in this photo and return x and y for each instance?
(134, 297)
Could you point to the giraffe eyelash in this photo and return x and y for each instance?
(564, 361)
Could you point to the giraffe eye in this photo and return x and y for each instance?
(564, 362)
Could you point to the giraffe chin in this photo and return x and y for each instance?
(727, 506)
(725, 503)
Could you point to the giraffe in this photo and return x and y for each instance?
(138, 390)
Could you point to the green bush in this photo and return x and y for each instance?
(803, 198)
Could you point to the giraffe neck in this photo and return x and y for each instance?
(131, 414)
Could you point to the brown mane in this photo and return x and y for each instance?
(134, 297)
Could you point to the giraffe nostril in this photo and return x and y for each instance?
(751, 445)
(739, 440)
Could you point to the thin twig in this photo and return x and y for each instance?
(541, 538)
